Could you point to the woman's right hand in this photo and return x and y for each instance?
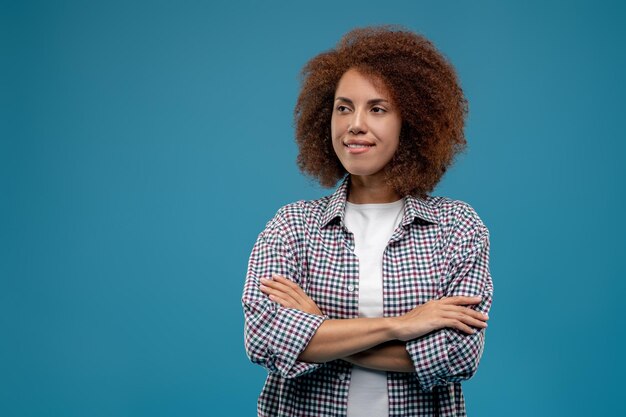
(437, 314)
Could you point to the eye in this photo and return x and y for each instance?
(342, 109)
(378, 110)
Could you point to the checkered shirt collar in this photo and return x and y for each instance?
(415, 207)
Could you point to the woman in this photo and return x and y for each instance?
(372, 301)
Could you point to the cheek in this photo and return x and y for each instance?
(335, 127)
(334, 138)
(387, 132)
(396, 140)
(394, 134)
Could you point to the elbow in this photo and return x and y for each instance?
(278, 364)
(451, 361)
(428, 382)
(269, 344)
(464, 359)
(259, 355)
(284, 368)
(465, 373)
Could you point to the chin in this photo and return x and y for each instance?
(363, 172)
(363, 168)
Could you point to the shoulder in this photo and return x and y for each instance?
(295, 216)
(456, 217)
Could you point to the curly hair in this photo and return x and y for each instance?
(420, 81)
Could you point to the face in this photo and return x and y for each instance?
(365, 125)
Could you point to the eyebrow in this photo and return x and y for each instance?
(372, 101)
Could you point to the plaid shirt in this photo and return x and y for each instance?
(440, 249)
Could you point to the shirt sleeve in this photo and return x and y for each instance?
(275, 336)
(449, 355)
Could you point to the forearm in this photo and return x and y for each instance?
(389, 356)
(339, 338)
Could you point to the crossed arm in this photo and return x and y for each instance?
(441, 341)
(375, 343)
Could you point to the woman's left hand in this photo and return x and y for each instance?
(288, 294)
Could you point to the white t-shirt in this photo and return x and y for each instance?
(372, 226)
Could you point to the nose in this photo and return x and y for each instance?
(357, 123)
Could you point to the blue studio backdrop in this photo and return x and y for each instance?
(144, 145)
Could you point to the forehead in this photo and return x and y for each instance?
(358, 82)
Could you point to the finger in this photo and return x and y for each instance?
(288, 286)
(278, 292)
(284, 280)
(287, 282)
(461, 300)
(295, 287)
(467, 311)
(471, 321)
(460, 326)
(269, 282)
(468, 320)
(280, 300)
(286, 302)
(272, 283)
(305, 302)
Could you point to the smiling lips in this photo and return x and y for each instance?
(357, 146)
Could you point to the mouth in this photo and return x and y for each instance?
(357, 146)
(356, 143)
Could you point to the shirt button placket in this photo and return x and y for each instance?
(352, 275)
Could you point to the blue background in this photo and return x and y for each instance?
(145, 144)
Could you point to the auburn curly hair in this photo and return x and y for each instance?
(422, 84)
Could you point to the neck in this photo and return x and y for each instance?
(368, 190)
